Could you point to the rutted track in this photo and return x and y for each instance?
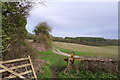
(110, 65)
(57, 51)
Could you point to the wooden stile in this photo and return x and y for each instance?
(13, 70)
(16, 74)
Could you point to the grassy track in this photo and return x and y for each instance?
(54, 62)
(83, 50)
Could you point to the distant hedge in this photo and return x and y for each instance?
(91, 41)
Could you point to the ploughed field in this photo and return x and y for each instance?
(84, 50)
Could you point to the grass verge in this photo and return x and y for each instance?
(55, 66)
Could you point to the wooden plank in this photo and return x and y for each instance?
(22, 73)
(32, 77)
(14, 60)
(15, 67)
(12, 72)
(26, 72)
(32, 67)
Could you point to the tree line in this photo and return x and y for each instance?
(91, 41)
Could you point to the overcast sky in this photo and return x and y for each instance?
(77, 19)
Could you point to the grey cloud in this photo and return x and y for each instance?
(77, 19)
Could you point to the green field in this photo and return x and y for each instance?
(54, 68)
(55, 65)
(83, 50)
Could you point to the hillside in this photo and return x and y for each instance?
(83, 50)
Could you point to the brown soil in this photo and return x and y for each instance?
(38, 46)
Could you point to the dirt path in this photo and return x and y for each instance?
(57, 51)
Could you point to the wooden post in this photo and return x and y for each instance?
(32, 68)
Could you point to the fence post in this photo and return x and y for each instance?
(32, 68)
